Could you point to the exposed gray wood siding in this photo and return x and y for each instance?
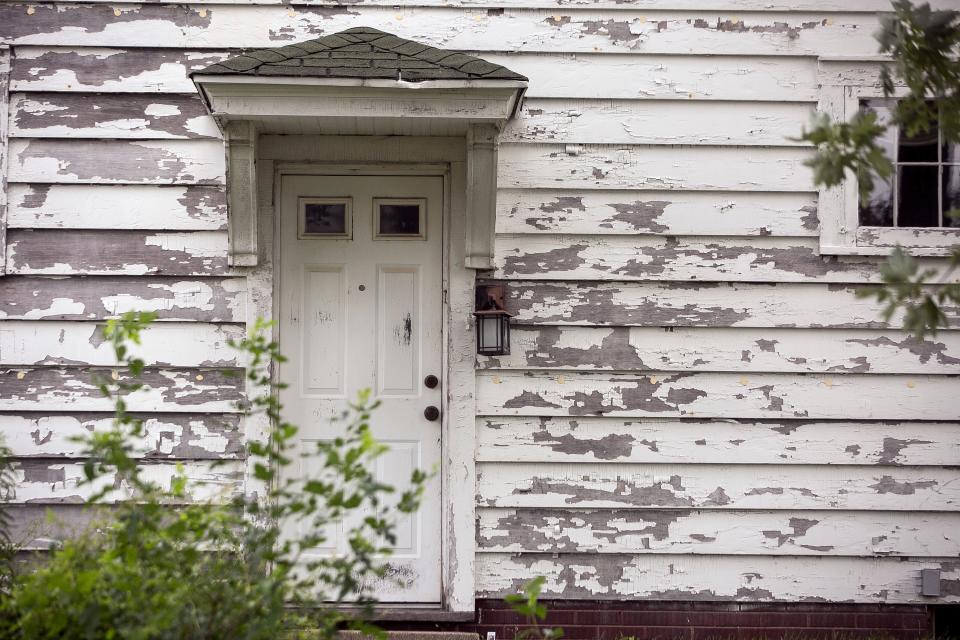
(698, 405)
(4, 146)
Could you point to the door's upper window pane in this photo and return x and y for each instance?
(399, 217)
(325, 217)
(925, 187)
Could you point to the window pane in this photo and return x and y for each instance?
(951, 195)
(919, 148)
(878, 212)
(951, 153)
(399, 219)
(917, 201)
(888, 139)
(325, 218)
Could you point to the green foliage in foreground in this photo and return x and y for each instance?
(528, 605)
(906, 288)
(168, 563)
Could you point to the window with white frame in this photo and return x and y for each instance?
(925, 186)
(912, 209)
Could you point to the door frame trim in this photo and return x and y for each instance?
(433, 156)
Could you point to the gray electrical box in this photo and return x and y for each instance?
(930, 582)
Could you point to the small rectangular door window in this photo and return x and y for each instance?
(325, 218)
(399, 218)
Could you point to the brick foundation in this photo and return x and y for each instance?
(647, 620)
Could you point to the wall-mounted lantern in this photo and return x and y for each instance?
(493, 321)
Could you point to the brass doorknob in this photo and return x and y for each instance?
(431, 413)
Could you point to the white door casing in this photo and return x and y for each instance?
(358, 309)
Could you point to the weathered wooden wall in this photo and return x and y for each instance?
(697, 405)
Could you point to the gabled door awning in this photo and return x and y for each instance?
(329, 84)
(361, 81)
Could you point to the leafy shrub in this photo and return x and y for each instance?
(534, 612)
(166, 566)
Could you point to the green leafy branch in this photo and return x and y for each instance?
(527, 604)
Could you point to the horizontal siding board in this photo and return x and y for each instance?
(719, 395)
(168, 436)
(75, 389)
(570, 30)
(95, 206)
(792, 488)
(659, 122)
(38, 342)
(531, 166)
(108, 70)
(42, 68)
(648, 258)
(867, 6)
(103, 252)
(729, 349)
(723, 578)
(141, 117)
(527, 440)
(712, 532)
(99, 298)
(624, 76)
(38, 527)
(54, 481)
(705, 304)
(117, 162)
(669, 213)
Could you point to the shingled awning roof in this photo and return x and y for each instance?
(362, 52)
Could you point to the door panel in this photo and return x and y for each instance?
(398, 331)
(324, 331)
(360, 307)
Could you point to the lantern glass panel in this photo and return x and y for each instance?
(493, 334)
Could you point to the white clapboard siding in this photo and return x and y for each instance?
(76, 389)
(174, 436)
(117, 162)
(128, 206)
(672, 441)
(713, 532)
(96, 252)
(570, 30)
(671, 213)
(51, 481)
(719, 395)
(622, 76)
(98, 298)
(613, 76)
(36, 342)
(653, 168)
(735, 350)
(108, 70)
(868, 6)
(733, 578)
(792, 488)
(703, 304)
(659, 122)
(77, 115)
(624, 258)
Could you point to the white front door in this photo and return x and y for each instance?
(360, 307)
